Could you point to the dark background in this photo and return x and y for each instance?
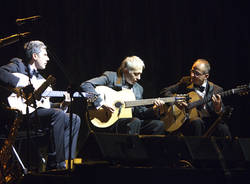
(91, 36)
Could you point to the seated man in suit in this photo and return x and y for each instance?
(24, 74)
(198, 83)
(144, 120)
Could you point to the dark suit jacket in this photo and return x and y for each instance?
(185, 86)
(15, 66)
(7, 79)
(109, 79)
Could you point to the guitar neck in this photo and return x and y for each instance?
(148, 101)
(206, 100)
(40, 90)
(61, 94)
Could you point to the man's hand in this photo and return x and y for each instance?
(108, 110)
(181, 105)
(66, 97)
(217, 102)
(66, 101)
(159, 106)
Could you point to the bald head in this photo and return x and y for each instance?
(200, 71)
(203, 65)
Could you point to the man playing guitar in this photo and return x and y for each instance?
(24, 74)
(123, 84)
(198, 87)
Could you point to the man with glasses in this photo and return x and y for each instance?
(197, 83)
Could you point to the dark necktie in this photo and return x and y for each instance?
(34, 72)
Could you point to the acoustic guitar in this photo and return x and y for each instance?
(122, 102)
(18, 100)
(90, 97)
(42, 94)
(176, 117)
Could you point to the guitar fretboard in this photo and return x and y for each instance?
(61, 94)
(149, 101)
(206, 100)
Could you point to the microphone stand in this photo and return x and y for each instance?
(21, 39)
(71, 89)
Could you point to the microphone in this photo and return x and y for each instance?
(22, 21)
(12, 39)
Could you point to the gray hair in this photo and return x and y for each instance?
(32, 47)
(132, 62)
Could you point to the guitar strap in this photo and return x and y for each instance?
(119, 79)
(118, 82)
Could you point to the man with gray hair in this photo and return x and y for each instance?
(25, 74)
(123, 85)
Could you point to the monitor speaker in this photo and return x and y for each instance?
(114, 148)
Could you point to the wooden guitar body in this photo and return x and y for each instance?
(114, 99)
(176, 117)
(17, 101)
(122, 102)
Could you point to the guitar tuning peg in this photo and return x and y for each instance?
(181, 95)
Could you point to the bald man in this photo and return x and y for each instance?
(198, 85)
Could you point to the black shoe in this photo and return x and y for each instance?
(51, 162)
(56, 166)
(61, 165)
(51, 167)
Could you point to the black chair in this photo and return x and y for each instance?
(27, 143)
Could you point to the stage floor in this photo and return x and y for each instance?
(154, 159)
(104, 173)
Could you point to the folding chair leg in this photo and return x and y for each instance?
(25, 170)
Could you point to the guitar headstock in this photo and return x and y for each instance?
(242, 89)
(51, 80)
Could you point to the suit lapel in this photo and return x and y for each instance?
(190, 86)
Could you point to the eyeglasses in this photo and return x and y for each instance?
(196, 73)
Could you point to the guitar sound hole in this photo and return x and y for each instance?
(118, 104)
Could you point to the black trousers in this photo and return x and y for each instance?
(59, 122)
(135, 126)
(198, 127)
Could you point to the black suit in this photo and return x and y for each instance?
(53, 118)
(200, 125)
